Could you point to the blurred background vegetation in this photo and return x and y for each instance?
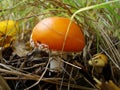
(30, 12)
(101, 25)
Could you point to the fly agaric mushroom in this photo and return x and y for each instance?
(51, 31)
(8, 30)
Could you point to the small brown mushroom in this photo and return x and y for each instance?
(101, 67)
(98, 60)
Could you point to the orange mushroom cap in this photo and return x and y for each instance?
(51, 31)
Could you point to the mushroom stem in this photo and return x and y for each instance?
(55, 64)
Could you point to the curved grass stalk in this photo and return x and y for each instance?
(102, 5)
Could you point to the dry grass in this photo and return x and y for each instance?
(101, 28)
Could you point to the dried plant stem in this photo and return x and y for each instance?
(113, 50)
(56, 81)
(71, 64)
(40, 76)
(13, 72)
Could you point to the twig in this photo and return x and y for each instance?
(40, 77)
(13, 72)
